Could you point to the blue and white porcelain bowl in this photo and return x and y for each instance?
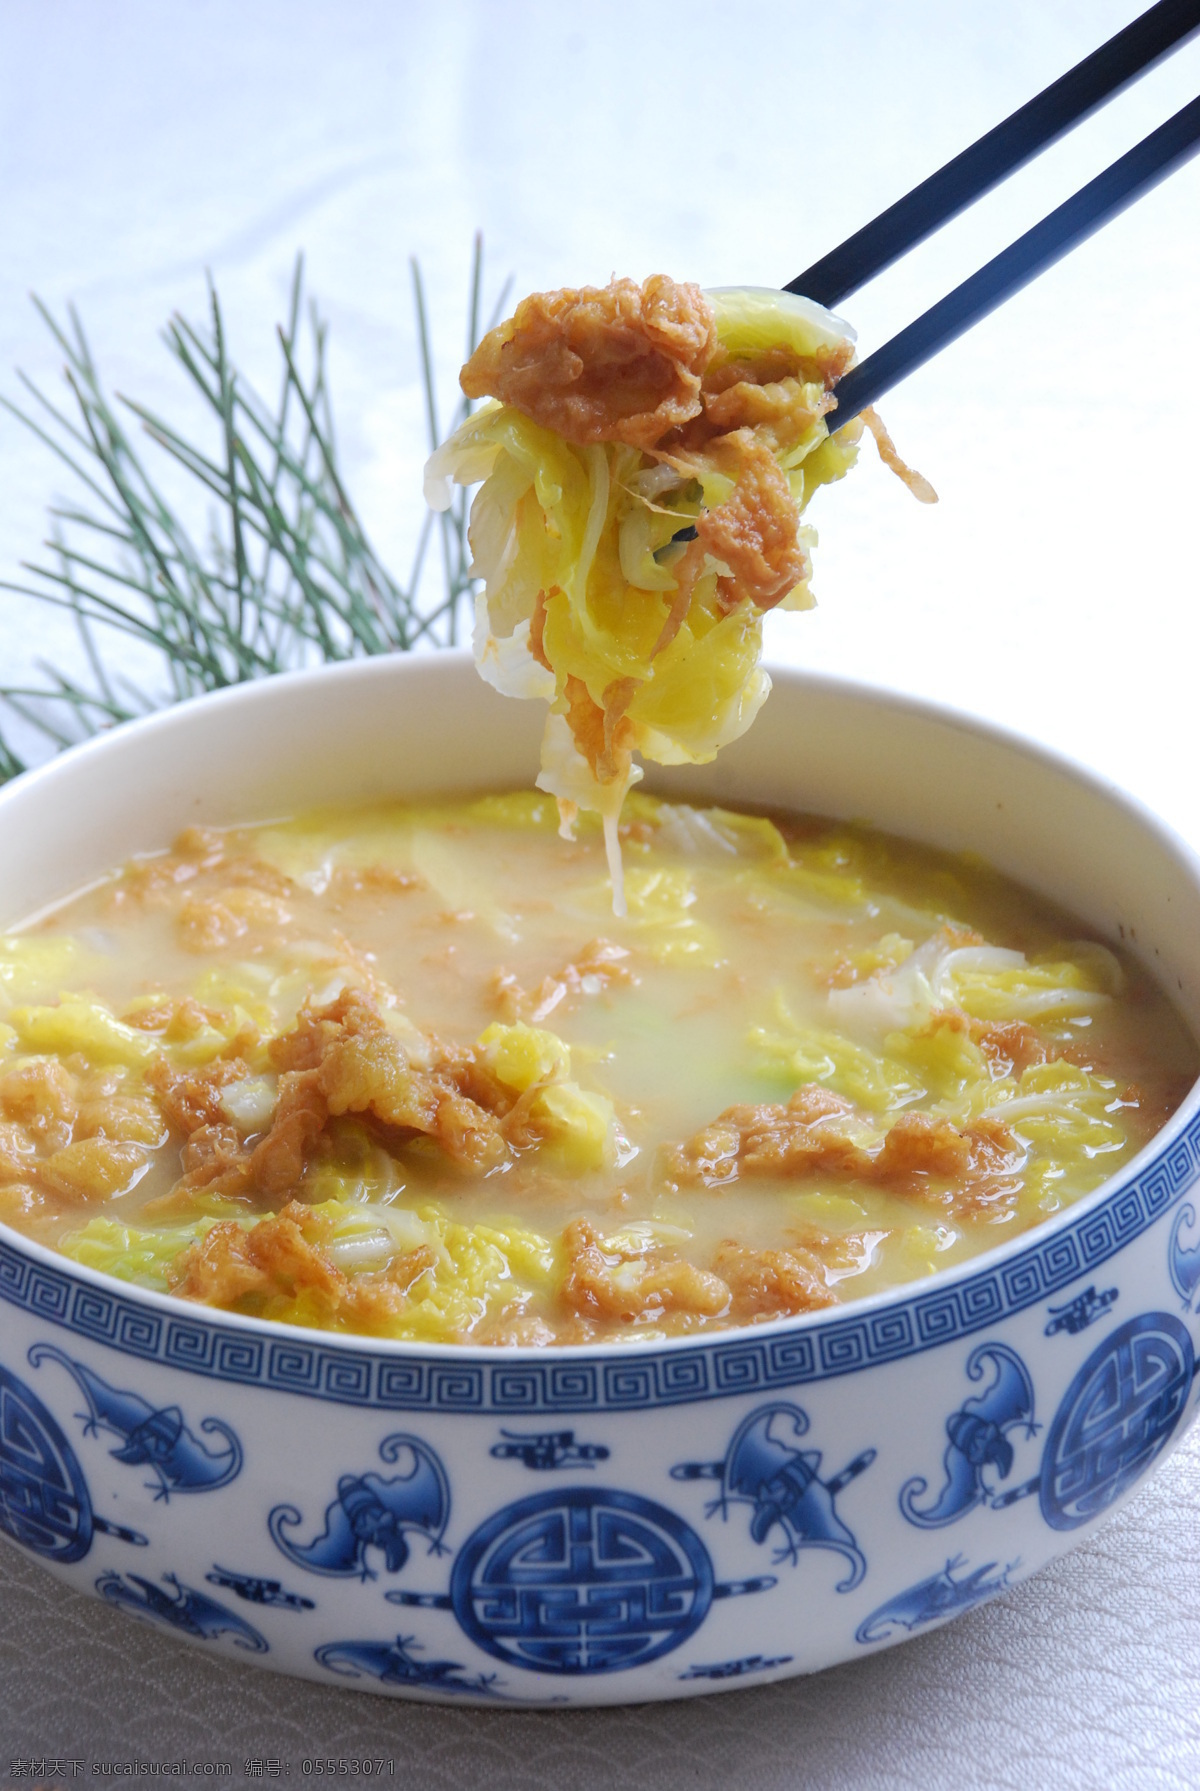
(602, 1525)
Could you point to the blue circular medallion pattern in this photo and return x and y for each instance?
(582, 1580)
(44, 1502)
(1118, 1414)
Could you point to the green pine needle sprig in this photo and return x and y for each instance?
(286, 577)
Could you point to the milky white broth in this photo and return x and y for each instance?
(722, 987)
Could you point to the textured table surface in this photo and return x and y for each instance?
(1052, 589)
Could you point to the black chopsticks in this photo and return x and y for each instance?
(1152, 160)
(1079, 92)
(1009, 146)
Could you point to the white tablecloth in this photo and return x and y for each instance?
(1052, 589)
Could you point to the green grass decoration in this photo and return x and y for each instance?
(287, 576)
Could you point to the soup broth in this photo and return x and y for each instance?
(402, 1071)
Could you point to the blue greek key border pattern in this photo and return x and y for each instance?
(738, 1363)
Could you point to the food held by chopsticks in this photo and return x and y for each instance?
(646, 454)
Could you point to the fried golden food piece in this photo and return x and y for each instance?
(633, 1285)
(362, 1067)
(771, 1283)
(22, 1204)
(214, 1161)
(74, 1133)
(41, 1096)
(809, 1133)
(93, 1168)
(275, 1256)
(962, 1173)
(217, 1159)
(616, 363)
(754, 533)
(919, 1144)
(189, 1099)
(285, 1257)
(779, 413)
(814, 1132)
(338, 1060)
(18, 1152)
(778, 393)
(301, 1113)
(823, 363)
(108, 1113)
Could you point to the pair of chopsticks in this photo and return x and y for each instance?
(1009, 146)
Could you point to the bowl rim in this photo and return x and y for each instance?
(834, 1341)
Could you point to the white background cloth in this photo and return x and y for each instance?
(1053, 589)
